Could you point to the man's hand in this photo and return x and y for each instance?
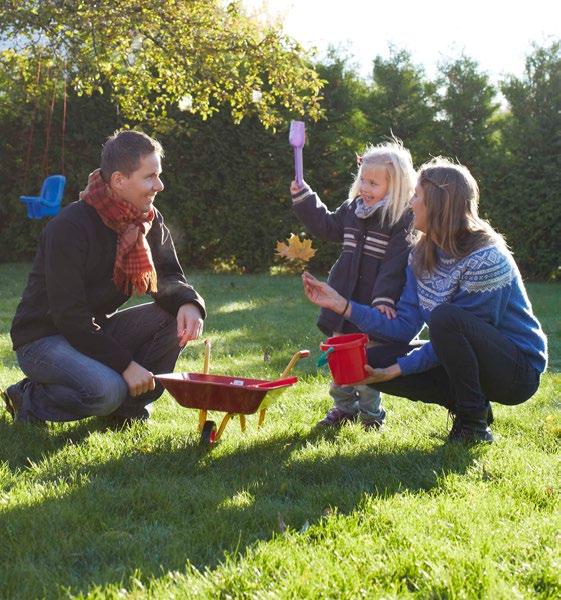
(189, 323)
(379, 375)
(323, 295)
(387, 310)
(138, 379)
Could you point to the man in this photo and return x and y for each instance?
(81, 358)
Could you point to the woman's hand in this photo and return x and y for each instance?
(379, 375)
(323, 295)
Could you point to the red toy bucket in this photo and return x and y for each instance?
(348, 357)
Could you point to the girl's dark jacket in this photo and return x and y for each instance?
(70, 289)
(371, 267)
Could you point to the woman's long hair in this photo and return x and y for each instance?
(451, 197)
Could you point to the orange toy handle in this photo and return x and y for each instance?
(206, 369)
(297, 356)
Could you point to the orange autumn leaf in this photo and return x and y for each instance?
(296, 249)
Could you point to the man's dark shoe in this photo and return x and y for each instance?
(13, 401)
(117, 422)
(336, 417)
(471, 428)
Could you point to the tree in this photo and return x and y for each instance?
(402, 103)
(468, 126)
(531, 210)
(201, 54)
(467, 109)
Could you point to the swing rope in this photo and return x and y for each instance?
(48, 125)
(63, 133)
(50, 111)
(31, 130)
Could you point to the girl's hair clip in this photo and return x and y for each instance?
(359, 160)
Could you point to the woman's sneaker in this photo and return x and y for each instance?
(336, 417)
(471, 428)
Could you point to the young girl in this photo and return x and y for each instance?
(485, 342)
(372, 226)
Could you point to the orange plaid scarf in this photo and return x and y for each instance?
(134, 271)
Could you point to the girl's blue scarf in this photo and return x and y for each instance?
(363, 211)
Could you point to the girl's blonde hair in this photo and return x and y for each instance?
(451, 197)
(401, 177)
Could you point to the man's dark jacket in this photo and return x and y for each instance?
(70, 289)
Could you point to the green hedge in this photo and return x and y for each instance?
(227, 187)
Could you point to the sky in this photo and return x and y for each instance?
(497, 34)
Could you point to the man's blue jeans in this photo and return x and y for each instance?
(65, 385)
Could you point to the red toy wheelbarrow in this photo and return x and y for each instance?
(236, 396)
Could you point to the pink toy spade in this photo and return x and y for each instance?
(296, 137)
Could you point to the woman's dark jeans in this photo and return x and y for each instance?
(478, 365)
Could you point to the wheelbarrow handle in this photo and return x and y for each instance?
(206, 367)
(297, 356)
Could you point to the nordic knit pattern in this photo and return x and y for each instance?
(483, 271)
(486, 283)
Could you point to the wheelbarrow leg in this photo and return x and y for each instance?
(295, 358)
(223, 424)
(202, 419)
(242, 422)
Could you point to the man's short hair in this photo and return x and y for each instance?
(124, 150)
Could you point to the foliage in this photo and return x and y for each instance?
(402, 103)
(532, 134)
(467, 105)
(31, 148)
(204, 54)
(468, 127)
(284, 511)
(227, 197)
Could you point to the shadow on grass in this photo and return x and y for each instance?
(151, 512)
(26, 444)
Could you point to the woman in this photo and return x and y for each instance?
(462, 282)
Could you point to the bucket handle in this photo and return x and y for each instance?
(322, 360)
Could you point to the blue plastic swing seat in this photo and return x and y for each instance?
(48, 203)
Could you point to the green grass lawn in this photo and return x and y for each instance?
(283, 512)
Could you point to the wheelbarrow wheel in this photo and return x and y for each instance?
(208, 433)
